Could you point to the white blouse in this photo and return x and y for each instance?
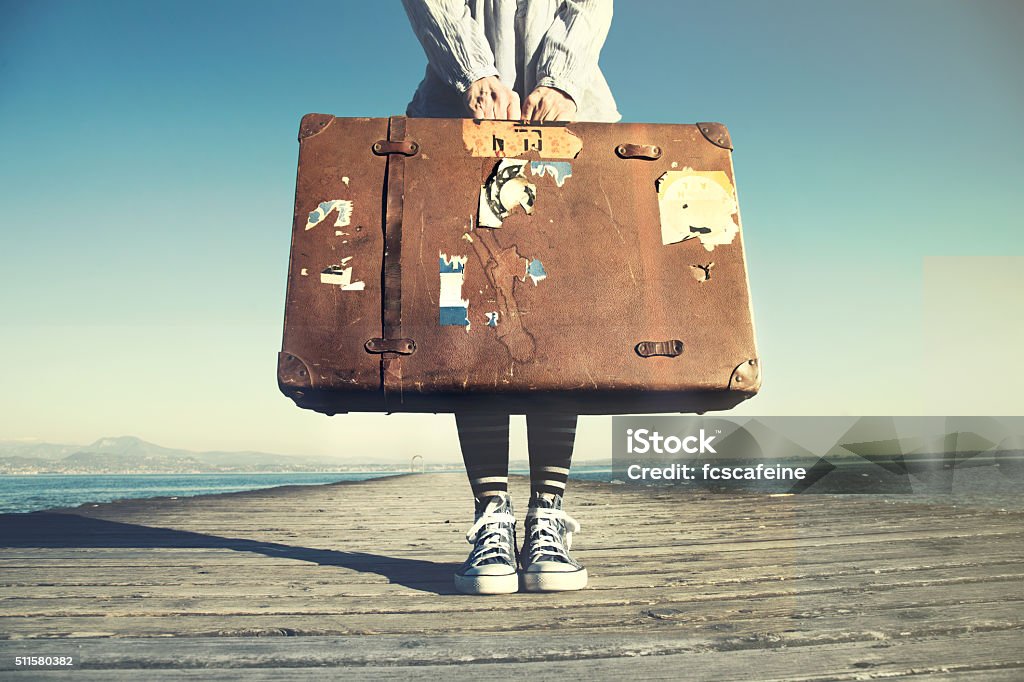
(526, 43)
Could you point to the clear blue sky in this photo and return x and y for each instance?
(147, 167)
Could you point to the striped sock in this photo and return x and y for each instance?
(484, 441)
(551, 438)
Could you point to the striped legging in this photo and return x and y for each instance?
(484, 441)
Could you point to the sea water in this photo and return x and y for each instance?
(48, 491)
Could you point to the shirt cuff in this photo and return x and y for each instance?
(473, 76)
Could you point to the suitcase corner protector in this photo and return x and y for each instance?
(314, 124)
(716, 133)
(746, 377)
(292, 373)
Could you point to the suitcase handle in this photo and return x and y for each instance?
(671, 348)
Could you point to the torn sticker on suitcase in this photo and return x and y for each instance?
(559, 170)
(454, 310)
(701, 273)
(342, 206)
(535, 271)
(551, 140)
(341, 275)
(697, 205)
(505, 189)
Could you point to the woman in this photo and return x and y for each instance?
(532, 60)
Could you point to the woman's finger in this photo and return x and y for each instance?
(529, 109)
(499, 104)
(512, 111)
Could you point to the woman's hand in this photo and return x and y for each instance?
(490, 98)
(549, 104)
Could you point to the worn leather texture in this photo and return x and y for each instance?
(587, 333)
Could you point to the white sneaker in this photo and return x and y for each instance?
(547, 566)
(491, 565)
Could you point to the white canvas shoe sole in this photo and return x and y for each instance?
(554, 581)
(487, 584)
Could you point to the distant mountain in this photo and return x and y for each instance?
(129, 445)
(129, 454)
(35, 450)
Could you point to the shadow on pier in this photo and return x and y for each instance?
(61, 530)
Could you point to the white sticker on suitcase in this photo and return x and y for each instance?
(505, 189)
(454, 310)
(342, 206)
(341, 275)
(697, 205)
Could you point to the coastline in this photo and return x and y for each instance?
(180, 485)
(133, 494)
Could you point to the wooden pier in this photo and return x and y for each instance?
(354, 580)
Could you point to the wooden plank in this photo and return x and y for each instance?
(937, 582)
(913, 610)
(929, 542)
(977, 546)
(604, 656)
(227, 581)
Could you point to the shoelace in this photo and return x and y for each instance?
(491, 540)
(545, 538)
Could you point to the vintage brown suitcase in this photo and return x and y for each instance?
(450, 264)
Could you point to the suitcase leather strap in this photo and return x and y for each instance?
(403, 147)
(639, 151)
(392, 346)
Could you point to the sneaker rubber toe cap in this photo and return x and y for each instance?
(551, 567)
(489, 569)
